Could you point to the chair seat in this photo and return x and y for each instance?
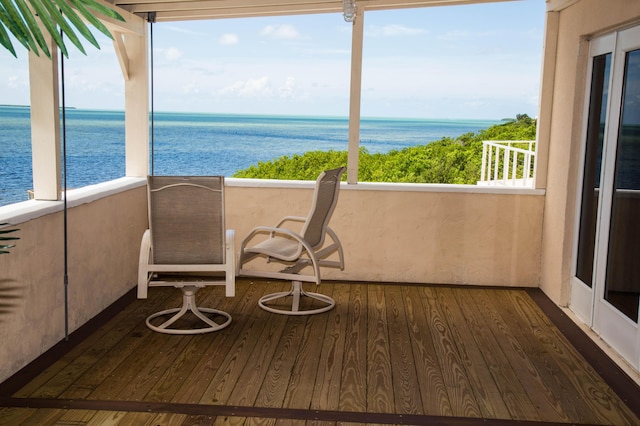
(281, 248)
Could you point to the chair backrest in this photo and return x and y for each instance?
(325, 198)
(186, 219)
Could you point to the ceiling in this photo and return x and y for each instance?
(180, 10)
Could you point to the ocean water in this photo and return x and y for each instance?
(200, 144)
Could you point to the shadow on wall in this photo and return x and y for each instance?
(10, 296)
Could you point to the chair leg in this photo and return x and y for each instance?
(296, 293)
(188, 304)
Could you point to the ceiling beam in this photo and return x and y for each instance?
(179, 10)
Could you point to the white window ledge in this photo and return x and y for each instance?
(384, 186)
(16, 213)
(27, 210)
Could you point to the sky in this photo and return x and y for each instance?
(452, 62)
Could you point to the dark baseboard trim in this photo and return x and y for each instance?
(259, 412)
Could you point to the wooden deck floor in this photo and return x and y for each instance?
(394, 354)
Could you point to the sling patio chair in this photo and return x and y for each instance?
(187, 247)
(308, 249)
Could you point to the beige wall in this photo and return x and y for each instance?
(104, 240)
(562, 140)
(414, 236)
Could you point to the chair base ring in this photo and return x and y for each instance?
(188, 305)
(296, 292)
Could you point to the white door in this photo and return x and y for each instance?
(605, 289)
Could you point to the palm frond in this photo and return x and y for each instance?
(19, 18)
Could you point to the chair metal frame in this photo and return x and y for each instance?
(195, 254)
(298, 250)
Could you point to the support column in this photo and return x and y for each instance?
(137, 105)
(549, 52)
(356, 90)
(45, 123)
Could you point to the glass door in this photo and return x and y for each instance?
(607, 266)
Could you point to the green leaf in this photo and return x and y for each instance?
(49, 24)
(73, 17)
(5, 40)
(57, 17)
(34, 27)
(12, 18)
(77, 22)
(89, 16)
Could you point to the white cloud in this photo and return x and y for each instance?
(253, 87)
(172, 53)
(13, 82)
(228, 39)
(282, 32)
(287, 89)
(182, 30)
(454, 35)
(393, 30)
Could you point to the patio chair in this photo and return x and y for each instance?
(187, 247)
(308, 248)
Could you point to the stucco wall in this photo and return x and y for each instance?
(414, 236)
(104, 240)
(576, 24)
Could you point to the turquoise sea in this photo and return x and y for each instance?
(200, 144)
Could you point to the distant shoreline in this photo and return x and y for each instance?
(23, 106)
(279, 116)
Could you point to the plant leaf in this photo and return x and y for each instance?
(5, 40)
(57, 17)
(33, 27)
(74, 19)
(49, 24)
(12, 17)
(81, 5)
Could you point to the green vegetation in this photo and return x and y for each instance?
(448, 160)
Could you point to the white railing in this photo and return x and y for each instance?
(508, 163)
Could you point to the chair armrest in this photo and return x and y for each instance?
(291, 219)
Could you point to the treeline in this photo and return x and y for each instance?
(448, 160)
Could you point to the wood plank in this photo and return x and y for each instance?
(130, 346)
(198, 381)
(606, 405)
(380, 395)
(15, 416)
(477, 353)
(546, 366)
(487, 394)
(353, 387)
(435, 399)
(245, 347)
(177, 372)
(232, 421)
(65, 371)
(76, 417)
(304, 373)
(247, 386)
(547, 407)
(326, 392)
(514, 394)
(406, 389)
(274, 386)
(106, 418)
(459, 388)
